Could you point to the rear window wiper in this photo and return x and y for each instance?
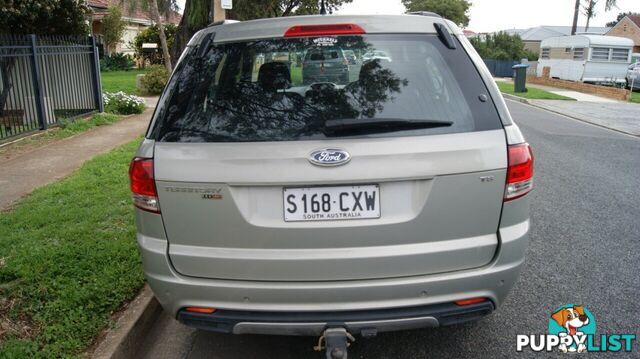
(378, 125)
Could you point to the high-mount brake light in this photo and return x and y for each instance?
(143, 186)
(320, 30)
(519, 171)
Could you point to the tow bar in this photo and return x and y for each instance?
(335, 342)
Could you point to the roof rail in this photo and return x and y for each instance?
(424, 13)
(222, 22)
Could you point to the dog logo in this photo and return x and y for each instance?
(572, 322)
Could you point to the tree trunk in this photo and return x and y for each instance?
(586, 28)
(574, 27)
(155, 14)
(196, 16)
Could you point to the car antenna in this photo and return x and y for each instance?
(323, 9)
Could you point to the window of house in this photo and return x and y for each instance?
(545, 53)
(578, 53)
(600, 54)
(620, 55)
(567, 49)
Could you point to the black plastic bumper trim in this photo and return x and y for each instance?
(223, 320)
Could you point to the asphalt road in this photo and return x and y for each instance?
(584, 248)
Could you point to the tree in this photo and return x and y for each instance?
(608, 5)
(151, 35)
(44, 17)
(454, 10)
(589, 10)
(502, 46)
(155, 8)
(257, 9)
(197, 15)
(112, 28)
(621, 16)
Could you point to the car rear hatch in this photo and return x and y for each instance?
(271, 180)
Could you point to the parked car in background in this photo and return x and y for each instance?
(396, 201)
(633, 76)
(323, 64)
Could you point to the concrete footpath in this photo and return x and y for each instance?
(22, 174)
(600, 111)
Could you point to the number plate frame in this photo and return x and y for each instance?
(331, 216)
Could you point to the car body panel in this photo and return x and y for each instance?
(431, 191)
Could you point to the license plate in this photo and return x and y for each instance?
(331, 203)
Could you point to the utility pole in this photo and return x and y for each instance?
(574, 27)
(219, 14)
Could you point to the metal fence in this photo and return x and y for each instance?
(44, 79)
(500, 68)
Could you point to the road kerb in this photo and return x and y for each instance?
(122, 341)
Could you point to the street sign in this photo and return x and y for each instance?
(227, 4)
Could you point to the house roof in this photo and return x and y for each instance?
(100, 7)
(635, 19)
(540, 33)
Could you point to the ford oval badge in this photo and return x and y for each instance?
(329, 157)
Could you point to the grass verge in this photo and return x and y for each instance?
(66, 129)
(68, 259)
(635, 97)
(125, 81)
(532, 93)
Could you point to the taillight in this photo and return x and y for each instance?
(470, 301)
(200, 310)
(519, 172)
(143, 186)
(320, 30)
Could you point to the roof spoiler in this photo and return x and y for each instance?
(222, 22)
(424, 13)
(445, 36)
(205, 44)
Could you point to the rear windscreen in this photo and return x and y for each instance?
(291, 89)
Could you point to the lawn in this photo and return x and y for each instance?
(635, 97)
(68, 259)
(114, 81)
(532, 93)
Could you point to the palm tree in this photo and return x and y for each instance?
(154, 7)
(590, 12)
(607, 6)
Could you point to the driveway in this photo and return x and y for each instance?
(584, 249)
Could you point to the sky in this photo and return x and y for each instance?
(494, 15)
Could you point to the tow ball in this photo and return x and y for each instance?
(335, 342)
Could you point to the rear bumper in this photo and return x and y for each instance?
(175, 291)
(364, 322)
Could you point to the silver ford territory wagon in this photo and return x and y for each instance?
(392, 198)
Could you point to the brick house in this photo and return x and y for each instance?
(628, 27)
(136, 21)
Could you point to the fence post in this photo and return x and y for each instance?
(37, 84)
(95, 70)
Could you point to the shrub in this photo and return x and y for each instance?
(116, 62)
(154, 80)
(151, 35)
(122, 104)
